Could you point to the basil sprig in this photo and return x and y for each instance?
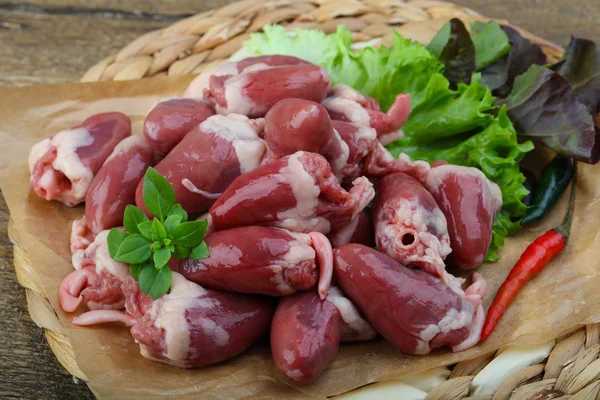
(148, 245)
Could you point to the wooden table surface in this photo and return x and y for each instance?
(52, 41)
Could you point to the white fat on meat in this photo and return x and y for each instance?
(189, 185)
(302, 217)
(98, 253)
(299, 250)
(67, 161)
(169, 314)
(365, 195)
(295, 374)
(242, 133)
(237, 102)
(126, 145)
(453, 320)
(392, 136)
(341, 161)
(357, 328)
(349, 108)
(197, 87)
(411, 218)
(81, 238)
(347, 92)
(229, 257)
(366, 133)
(492, 202)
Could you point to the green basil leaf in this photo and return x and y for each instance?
(199, 252)
(191, 233)
(114, 239)
(146, 229)
(158, 193)
(155, 282)
(158, 231)
(135, 269)
(170, 247)
(180, 252)
(134, 250)
(172, 222)
(161, 257)
(156, 245)
(177, 210)
(132, 217)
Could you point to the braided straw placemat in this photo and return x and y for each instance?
(205, 40)
(566, 368)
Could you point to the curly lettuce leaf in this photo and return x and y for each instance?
(500, 75)
(460, 126)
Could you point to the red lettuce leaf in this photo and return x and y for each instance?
(453, 46)
(499, 76)
(544, 106)
(581, 66)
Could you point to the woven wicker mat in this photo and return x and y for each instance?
(568, 368)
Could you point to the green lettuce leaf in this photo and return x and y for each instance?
(490, 42)
(461, 126)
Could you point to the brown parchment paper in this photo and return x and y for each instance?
(565, 295)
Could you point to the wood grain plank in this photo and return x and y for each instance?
(148, 7)
(47, 48)
(555, 20)
(28, 368)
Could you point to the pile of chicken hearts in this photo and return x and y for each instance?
(281, 165)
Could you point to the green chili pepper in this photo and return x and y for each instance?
(554, 179)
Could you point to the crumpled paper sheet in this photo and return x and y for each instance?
(565, 295)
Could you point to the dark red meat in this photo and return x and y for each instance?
(306, 331)
(199, 86)
(347, 104)
(190, 326)
(170, 120)
(97, 279)
(256, 259)
(63, 166)
(305, 336)
(294, 125)
(367, 156)
(363, 233)
(208, 159)
(113, 187)
(470, 203)
(412, 309)
(258, 87)
(409, 225)
(297, 192)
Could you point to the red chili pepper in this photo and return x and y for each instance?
(535, 257)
